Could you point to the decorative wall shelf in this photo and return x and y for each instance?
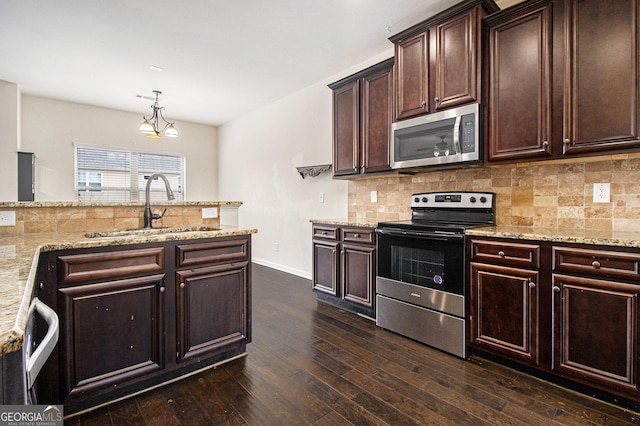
(313, 171)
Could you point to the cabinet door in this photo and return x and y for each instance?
(504, 311)
(211, 308)
(412, 76)
(601, 107)
(377, 100)
(111, 333)
(519, 105)
(346, 129)
(358, 273)
(456, 76)
(595, 331)
(326, 266)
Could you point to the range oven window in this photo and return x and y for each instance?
(434, 263)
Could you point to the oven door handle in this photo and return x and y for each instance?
(424, 235)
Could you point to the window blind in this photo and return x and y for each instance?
(112, 175)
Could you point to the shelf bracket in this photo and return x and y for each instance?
(313, 171)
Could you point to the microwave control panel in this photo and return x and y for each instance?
(468, 133)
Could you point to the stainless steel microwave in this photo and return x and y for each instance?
(440, 139)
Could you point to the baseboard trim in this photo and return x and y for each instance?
(283, 268)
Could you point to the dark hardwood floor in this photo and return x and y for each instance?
(312, 363)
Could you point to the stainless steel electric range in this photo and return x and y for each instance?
(420, 282)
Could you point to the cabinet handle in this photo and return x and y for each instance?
(181, 285)
(545, 144)
(501, 253)
(356, 235)
(596, 264)
(532, 284)
(566, 141)
(161, 289)
(423, 103)
(556, 289)
(436, 99)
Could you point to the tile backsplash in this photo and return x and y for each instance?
(550, 194)
(35, 218)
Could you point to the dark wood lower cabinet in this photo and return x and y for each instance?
(111, 332)
(344, 267)
(124, 329)
(595, 331)
(569, 311)
(505, 311)
(211, 309)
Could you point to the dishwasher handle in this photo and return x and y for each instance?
(35, 361)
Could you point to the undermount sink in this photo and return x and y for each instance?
(150, 231)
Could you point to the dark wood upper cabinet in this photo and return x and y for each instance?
(362, 116)
(563, 79)
(601, 79)
(518, 116)
(412, 76)
(438, 61)
(457, 65)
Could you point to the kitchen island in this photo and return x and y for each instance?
(204, 246)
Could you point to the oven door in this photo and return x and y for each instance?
(432, 260)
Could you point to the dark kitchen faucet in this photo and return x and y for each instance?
(148, 216)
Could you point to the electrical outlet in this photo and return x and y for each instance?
(601, 192)
(209, 213)
(321, 197)
(374, 196)
(8, 218)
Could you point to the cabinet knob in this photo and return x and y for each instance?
(436, 99)
(423, 103)
(181, 285)
(566, 141)
(501, 253)
(161, 289)
(596, 264)
(532, 284)
(545, 144)
(556, 289)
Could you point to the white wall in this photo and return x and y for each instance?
(50, 128)
(259, 153)
(9, 140)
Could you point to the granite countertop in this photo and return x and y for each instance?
(16, 204)
(19, 256)
(622, 238)
(363, 223)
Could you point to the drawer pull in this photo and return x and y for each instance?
(596, 264)
(181, 285)
(161, 289)
(501, 253)
(556, 289)
(415, 294)
(532, 284)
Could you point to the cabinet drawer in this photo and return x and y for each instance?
(597, 262)
(99, 266)
(359, 235)
(506, 253)
(223, 251)
(326, 232)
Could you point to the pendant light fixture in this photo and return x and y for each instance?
(152, 127)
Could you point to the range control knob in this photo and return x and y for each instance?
(416, 199)
(483, 199)
(425, 199)
(472, 199)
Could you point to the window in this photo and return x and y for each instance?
(121, 176)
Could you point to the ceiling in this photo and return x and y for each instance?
(220, 59)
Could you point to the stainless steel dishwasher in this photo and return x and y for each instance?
(37, 353)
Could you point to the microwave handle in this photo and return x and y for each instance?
(456, 135)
